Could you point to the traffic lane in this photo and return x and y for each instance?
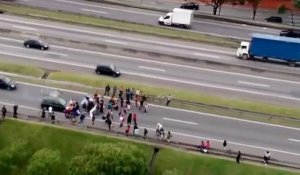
(242, 83)
(136, 15)
(156, 113)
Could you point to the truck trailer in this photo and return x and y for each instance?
(270, 46)
(179, 17)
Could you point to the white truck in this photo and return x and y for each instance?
(179, 17)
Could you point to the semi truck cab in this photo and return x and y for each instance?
(243, 50)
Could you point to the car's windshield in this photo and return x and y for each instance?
(61, 101)
(6, 80)
(113, 67)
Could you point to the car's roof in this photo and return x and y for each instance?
(52, 98)
(2, 77)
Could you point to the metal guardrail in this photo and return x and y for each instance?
(159, 143)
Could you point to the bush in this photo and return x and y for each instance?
(109, 159)
(43, 162)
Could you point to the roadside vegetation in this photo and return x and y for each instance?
(194, 100)
(31, 148)
(116, 25)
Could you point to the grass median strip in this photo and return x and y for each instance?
(89, 83)
(117, 25)
(69, 143)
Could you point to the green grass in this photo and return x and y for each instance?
(21, 69)
(117, 25)
(70, 142)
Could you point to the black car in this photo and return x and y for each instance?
(7, 83)
(275, 19)
(31, 43)
(107, 70)
(190, 5)
(57, 103)
(290, 33)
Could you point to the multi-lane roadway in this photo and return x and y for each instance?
(239, 31)
(186, 126)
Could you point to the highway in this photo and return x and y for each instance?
(151, 70)
(186, 126)
(225, 29)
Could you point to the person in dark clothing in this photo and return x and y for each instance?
(52, 117)
(224, 144)
(114, 91)
(4, 111)
(238, 157)
(15, 113)
(107, 90)
(101, 107)
(43, 113)
(121, 102)
(82, 116)
(108, 122)
(129, 118)
(145, 133)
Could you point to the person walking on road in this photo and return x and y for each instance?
(224, 144)
(145, 108)
(134, 119)
(145, 133)
(107, 90)
(43, 113)
(121, 119)
(238, 157)
(4, 111)
(169, 97)
(267, 157)
(114, 91)
(169, 136)
(15, 113)
(129, 118)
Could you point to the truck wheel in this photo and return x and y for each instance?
(245, 57)
(292, 63)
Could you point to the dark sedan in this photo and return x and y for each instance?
(107, 70)
(57, 103)
(37, 44)
(7, 83)
(274, 19)
(190, 5)
(293, 33)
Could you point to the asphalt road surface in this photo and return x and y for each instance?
(239, 31)
(186, 126)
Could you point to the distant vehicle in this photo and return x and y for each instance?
(270, 46)
(293, 33)
(37, 44)
(179, 17)
(57, 103)
(190, 5)
(107, 70)
(275, 19)
(7, 83)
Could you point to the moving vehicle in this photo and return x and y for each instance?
(270, 46)
(107, 70)
(7, 83)
(37, 44)
(190, 5)
(179, 17)
(293, 33)
(54, 100)
(275, 19)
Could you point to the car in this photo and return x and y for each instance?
(107, 70)
(190, 5)
(7, 83)
(275, 19)
(290, 33)
(37, 44)
(57, 103)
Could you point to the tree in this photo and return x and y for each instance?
(109, 159)
(14, 156)
(297, 3)
(283, 9)
(216, 4)
(43, 162)
(254, 4)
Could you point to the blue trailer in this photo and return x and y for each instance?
(270, 46)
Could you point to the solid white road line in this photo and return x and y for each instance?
(118, 36)
(181, 134)
(95, 11)
(177, 109)
(206, 55)
(25, 28)
(159, 77)
(294, 140)
(151, 68)
(110, 8)
(116, 42)
(169, 64)
(253, 84)
(180, 121)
